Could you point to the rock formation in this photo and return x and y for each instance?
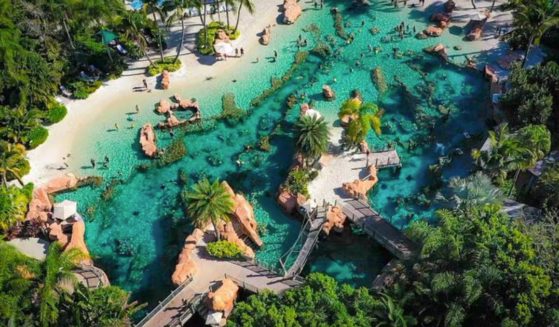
(77, 241)
(287, 201)
(186, 104)
(186, 266)
(165, 80)
(40, 205)
(449, 6)
(335, 218)
(228, 232)
(243, 213)
(223, 299)
(433, 31)
(442, 19)
(438, 49)
(327, 92)
(56, 234)
(358, 189)
(291, 11)
(266, 36)
(147, 140)
(164, 106)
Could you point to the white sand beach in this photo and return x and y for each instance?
(48, 160)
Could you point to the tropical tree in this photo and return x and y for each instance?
(57, 269)
(229, 5)
(250, 7)
(13, 164)
(312, 137)
(361, 118)
(178, 8)
(209, 203)
(133, 23)
(476, 190)
(13, 205)
(152, 6)
(532, 18)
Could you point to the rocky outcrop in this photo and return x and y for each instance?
(165, 80)
(77, 241)
(243, 213)
(147, 140)
(40, 205)
(358, 189)
(335, 219)
(442, 19)
(229, 233)
(449, 6)
(223, 299)
(56, 234)
(287, 202)
(433, 31)
(266, 36)
(186, 266)
(328, 93)
(291, 11)
(164, 106)
(438, 49)
(185, 104)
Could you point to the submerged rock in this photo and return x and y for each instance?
(40, 205)
(358, 189)
(147, 140)
(328, 93)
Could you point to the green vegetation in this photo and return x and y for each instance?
(230, 112)
(56, 112)
(169, 64)
(173, 153)
(360, 118)
(224, 250)
(311, 138)
(206, 36)
(82, 89)
(13, 205)
(208, 202)
(12, 162)
(298, 180)
(37, 136)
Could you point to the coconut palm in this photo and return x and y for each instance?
(312, 137)
(534, 17)
(209, 203)
(361, 118)
(473, 191)
(229, 5)
(249, 5)
(152, 6)
(178, 7)
(133, 24)
(13, 164)
(57, 269)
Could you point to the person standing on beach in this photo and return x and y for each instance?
(137, 109)
(242, 51)
(236, 52)
(275, 55)
(92, 163)
(145, 83)
(116, 126)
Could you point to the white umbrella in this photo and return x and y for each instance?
(224, 48)
(214, 318)
(65, 209)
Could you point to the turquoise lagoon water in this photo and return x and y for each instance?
(136, 235)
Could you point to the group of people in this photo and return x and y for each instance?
(105, 162)
(316, 4)
(395, 3)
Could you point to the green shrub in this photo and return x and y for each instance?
(13, 205)
(230, 112)
(169, 64)
(174, 152)
(205, 45)
(298, 181)
(82, 89)
(56, 112)
(224, 250)
(37, 136)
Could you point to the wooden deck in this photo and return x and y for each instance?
(384, 159)
(361, 214)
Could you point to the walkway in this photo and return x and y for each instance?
(384, 159)
(210, 271)
(394, 240)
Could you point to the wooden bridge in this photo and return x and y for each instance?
(361, 214)
(309, 234)
(384, 159)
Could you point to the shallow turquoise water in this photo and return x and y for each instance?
(137, 235)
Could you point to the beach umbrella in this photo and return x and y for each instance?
(65, 209)
(107, 36)
(224, 48)
(214, 318)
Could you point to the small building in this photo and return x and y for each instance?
(528, 178)
(64, 210)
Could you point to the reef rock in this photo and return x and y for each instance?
(287, 202)
(291, 11)
(363, 146)
(165, 79)
(438, 49)
(77, 241)
(164, 106)
(433, 31)
(223, 299)
(229, 233)
(147, 140)
(61, 183)
(186, 266)
(243, 213)
(266, 36)
(358, 189)
(335, 218)
(327, 92)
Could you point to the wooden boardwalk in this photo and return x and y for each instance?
(384, 159)
(179, 306)
(361, 214)
(314, 229)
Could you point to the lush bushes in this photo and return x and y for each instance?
(56, 112)
(224, 250)
(37, 136)
(298, 181)
(168, 63)
(13, 205)
(82, 89)
(206, 37)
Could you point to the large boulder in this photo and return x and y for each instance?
(335, 219)
(291, 11)
(61, 183)
(433, 31)
(327, 92)
(147, 140)
(77, 241)
(229, 233)
(358, 189)
(287, 202)
(165, 80)
(56, 234)
(223, 299)
(243, 213)
(186, 266)
(40, 205)
(164, 106)
(266, 36)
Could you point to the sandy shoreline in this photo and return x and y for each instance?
(49, 159)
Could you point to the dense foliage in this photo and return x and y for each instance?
(13, 205)
(168, 64)
(311, 137)
(224, 250)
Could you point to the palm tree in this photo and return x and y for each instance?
(534, 17)
(132, 24)
(391, 314)
(152, 6)
(179, 7)
(12, 162)
(362, 117)
(229, 5)
(57, 268)
(312, 137)
(209, 202)
(473, 191)
(250, 8)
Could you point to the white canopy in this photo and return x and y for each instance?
(224, 48)
(214, 318)
(65, 209)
